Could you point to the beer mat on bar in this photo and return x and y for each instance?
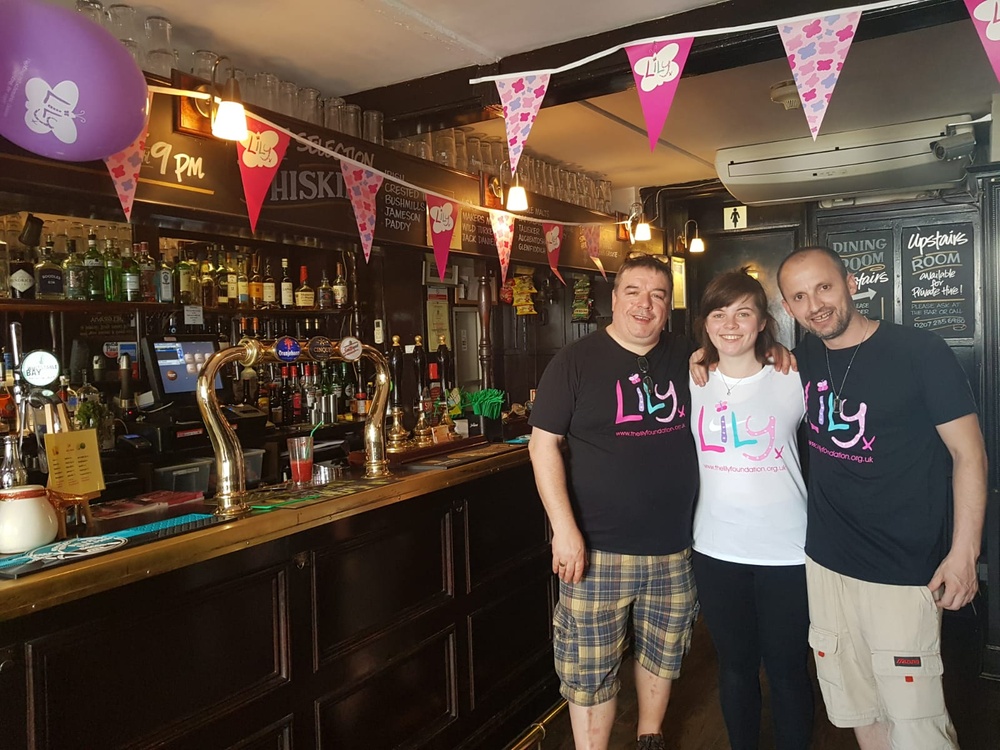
(293, 497)
(71, 550)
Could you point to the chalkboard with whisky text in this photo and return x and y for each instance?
(939, 279)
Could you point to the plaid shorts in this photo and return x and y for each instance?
(590, 620)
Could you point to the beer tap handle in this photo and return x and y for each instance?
(17, 353)
(16, 348)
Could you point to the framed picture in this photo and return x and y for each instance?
(431, 277)
(679, 272)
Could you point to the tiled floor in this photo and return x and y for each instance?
(694, 719)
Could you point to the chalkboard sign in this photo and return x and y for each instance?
(939, 280)
(869, 255)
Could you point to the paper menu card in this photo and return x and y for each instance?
(74, 462)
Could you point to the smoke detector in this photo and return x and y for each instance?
(786, 94)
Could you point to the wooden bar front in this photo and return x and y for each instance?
(414, 614)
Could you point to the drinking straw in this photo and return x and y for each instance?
(313, 430)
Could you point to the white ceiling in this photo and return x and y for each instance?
(346, 46)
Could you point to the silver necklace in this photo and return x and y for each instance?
(729, 388)
(838, 402)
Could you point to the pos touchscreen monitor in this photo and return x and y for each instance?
(173, 364)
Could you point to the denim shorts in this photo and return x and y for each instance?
(590, 621)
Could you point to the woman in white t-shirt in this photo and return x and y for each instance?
(750, 520)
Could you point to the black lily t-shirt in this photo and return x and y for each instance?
(879, 473)
(631, 466)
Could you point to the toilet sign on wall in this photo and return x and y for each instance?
(734, 217)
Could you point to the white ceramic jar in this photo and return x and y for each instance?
(27, 519)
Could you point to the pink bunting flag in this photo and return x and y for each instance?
(986, 18)
(503, 232)
(553, 244)
(657, 68)
(362, 186)
(441, 214)
(521, 97)
(259, 155)
(125, 165)
(816, 52)
(592, 237)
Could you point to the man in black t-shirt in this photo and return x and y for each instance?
(616, 470)
(890, 414)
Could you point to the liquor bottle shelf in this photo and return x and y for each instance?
(67, 305)
(70, 305)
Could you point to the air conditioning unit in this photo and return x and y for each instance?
(893, 158)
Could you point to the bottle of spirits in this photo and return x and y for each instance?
(305, 297)
(232, 283)
(165, 281)
(8, 407)
(49, 275)
(297, 395)
(131, 278)
(444, 364)
(185, 275)
(275, 395)
(349, 388)
(264, 391)
(340, 288)
(93, 262)
(22, 274)
(287, 410)
(287, 289)
(243, 284)
(256, 284)
(74, 273)
(87, 392)
(324, 293)
(112, 272)
(336, 389)
(147, 272)
(250, 385)
(206, 273)
(221, 281)
(270, 287)
(67, 395)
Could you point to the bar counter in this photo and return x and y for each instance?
(413, 612)
(39, 591)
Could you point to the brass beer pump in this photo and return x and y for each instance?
(399, 436)
(422, 429)
(230, 469)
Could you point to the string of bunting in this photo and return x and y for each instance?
(816, 45)
(261, 154)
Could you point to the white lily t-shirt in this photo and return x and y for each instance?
(752, 503)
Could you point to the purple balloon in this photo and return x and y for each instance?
(68, 89)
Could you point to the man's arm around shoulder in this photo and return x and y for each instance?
(569, 554)
(957, 572)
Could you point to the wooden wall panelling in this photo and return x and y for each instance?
(505, 526)
(277, 736)
(405, 704)
(384, 568)
(226, 647)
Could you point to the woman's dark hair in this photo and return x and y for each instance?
(724, 290)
